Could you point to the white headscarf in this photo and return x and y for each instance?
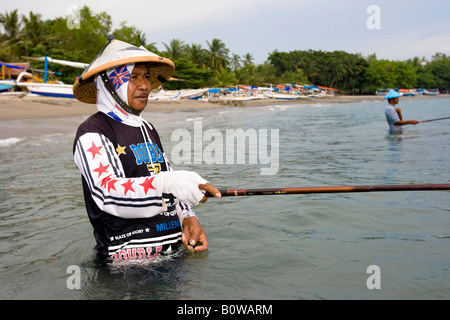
(119, 77)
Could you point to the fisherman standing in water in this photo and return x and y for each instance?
(394, 115)
(137, 204)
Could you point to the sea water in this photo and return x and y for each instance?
(385, 245)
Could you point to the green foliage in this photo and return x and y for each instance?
(88, 40)
(389, 74)
(435, 74)
(213, 66)
(130, 35)
(189, 76)
(331, 69)
(217, 55)
(175, 49)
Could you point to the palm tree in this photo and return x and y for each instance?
(196, 54)
(176, 49)
(217, 54)
(235, 61)
(224, 78)
(11, 24)
(12, 27)
(152, 47)
(34, 31)
(130, 34)
(139, 38)
(248, 59)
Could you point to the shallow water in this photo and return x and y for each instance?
(316, 246)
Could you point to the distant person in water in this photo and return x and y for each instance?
(393, 115)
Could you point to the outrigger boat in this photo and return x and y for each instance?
(5, 87)
(42, 87)
(56, 90)
(60, 90)
(382, 92)
(407, 92)
(282, 96)
(427, 92)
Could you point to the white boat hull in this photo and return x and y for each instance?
(284, 96)
(65, 91)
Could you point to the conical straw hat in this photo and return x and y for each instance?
(392, 94)
(117, 53)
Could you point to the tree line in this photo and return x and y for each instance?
(215, 65)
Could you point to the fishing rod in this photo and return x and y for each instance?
(335, 189)
(435, 119)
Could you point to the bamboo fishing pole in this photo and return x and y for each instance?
(435, 119)
(335, 189)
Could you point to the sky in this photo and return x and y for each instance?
(394, 30)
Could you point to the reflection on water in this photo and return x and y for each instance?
(314, 246)
(394, 155)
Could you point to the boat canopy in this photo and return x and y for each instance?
(326, 88)
(11, 66)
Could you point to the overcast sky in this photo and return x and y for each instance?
(394, 30)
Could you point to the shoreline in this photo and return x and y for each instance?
(40, 107)
(22, 115)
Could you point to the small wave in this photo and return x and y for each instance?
(9, 141)
(323, 105)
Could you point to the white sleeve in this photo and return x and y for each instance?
(184, 211)
(113, 193)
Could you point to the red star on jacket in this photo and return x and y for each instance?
(105, 181)
(128, 186)
(94, 150)
(111, 184)
(148, 184)
(101, 169)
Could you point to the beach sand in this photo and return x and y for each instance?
(21, 115)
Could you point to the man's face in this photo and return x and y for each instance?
(139, 87)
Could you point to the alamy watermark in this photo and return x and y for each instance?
(73, 17)
(74, 280)
(374, 280)
(234, 146)
(374, 20)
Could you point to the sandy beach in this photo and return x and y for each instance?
(21, 114)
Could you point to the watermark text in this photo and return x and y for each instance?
(374, 280)
(234, 146)
(73, 17)
(374, 20)
(74, 280)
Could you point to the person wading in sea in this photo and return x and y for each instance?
(137, 204)
(393, 115)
